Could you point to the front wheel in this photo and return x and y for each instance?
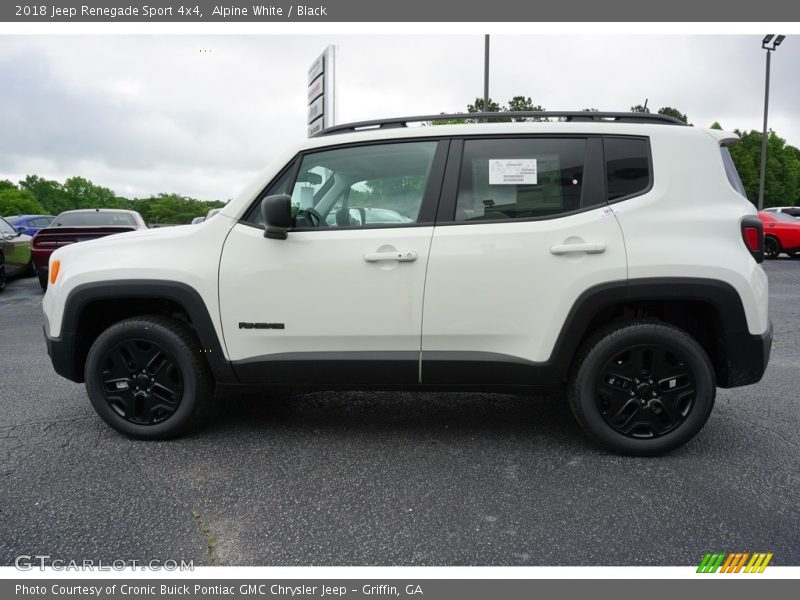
(147, 378)
(2, 273)
(642, 388)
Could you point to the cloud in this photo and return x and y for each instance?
(148, 114)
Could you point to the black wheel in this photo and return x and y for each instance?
(642, 388)
(43, 280)
(2, 273)
(772, 247)
(147, 378)
(30, 271)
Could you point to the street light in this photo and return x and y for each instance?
(770, 43)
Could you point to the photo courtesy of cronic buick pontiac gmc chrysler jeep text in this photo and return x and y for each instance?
(613, 255)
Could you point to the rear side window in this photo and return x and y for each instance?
(731, 172)
(520, 178)
(627, 166)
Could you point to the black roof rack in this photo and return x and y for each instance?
(616, 117)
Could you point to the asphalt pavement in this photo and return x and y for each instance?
(392, 478)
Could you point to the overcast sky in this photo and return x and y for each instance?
(148, 114)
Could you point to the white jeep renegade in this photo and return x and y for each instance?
(613, 254)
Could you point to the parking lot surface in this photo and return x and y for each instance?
(392, 478)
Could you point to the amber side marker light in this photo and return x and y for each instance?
(54, 268)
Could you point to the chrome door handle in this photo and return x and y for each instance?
(397, 255)
(586, 247)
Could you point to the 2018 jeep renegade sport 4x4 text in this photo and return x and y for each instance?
(613, 255)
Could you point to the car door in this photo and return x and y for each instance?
(524, 229)
(16, 248)
(340, 299)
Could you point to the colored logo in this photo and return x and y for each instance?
(734, 562)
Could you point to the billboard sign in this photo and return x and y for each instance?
(321, 93)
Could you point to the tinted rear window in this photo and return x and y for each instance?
(627, 166)
(731, 172)
(89, 219)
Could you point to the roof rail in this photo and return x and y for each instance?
(616, 117)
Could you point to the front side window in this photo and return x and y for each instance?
(517, 178)
(380, 185)
(627, 167)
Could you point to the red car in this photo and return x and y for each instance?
(781, 234)
(75, 226)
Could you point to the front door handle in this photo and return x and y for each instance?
(586, 247)
(397, 255)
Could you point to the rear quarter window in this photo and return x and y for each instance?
(628, 171)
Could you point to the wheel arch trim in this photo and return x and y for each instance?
(182, 294)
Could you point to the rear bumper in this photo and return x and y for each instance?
(747, 358)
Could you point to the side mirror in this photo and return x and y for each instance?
(21, 230)
(276, 212)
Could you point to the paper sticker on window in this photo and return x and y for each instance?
(512, 171)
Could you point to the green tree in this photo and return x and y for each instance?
(47, 192)
(5, 184)
(639, 108)
(782, 172)
(716, 125)
(14, 201)
(673, 112)
(479, 106)
(523, 104)
(82, 193)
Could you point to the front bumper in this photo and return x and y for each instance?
(62, 354)
(747, 358)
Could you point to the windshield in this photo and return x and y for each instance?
(94, 219)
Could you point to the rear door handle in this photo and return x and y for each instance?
(397, 255)
(586, 247)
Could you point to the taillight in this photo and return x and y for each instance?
(753, 236)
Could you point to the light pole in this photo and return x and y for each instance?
(770, 43)
(486, 75)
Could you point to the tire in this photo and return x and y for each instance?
(2, 273)
(43, 280)
(772, 247)
(626, 402)
(30, 271)
(147, 378)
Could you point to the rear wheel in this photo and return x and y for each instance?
(642, 388)
(772, 248)
(2, 273)
(43, 280)
(147, 378)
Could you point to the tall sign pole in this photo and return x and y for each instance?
(322, 92)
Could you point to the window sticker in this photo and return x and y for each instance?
(512, 171)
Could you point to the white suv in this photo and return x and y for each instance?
(612, 255)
